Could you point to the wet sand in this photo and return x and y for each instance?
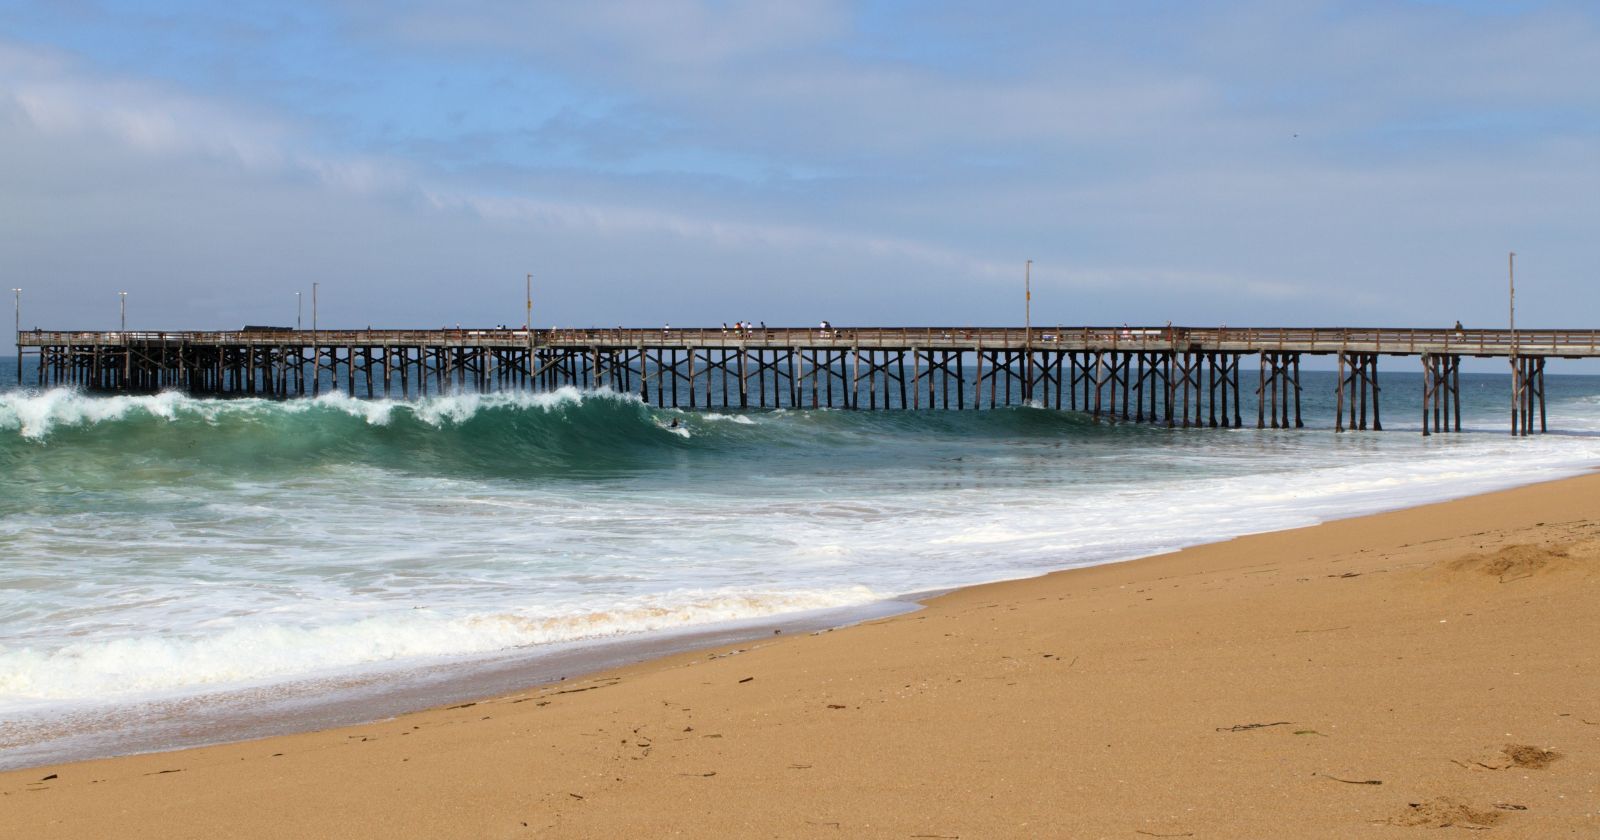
(1433, 668)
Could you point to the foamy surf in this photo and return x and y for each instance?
(36, 415)
(261, 649)
(172, 549)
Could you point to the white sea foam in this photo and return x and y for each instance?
(458, 409)
(36, 415)
(740, 419)
(264, 649)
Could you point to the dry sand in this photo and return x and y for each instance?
(1401, 675)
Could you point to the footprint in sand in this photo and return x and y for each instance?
(1520, 756)
(1446, 812)
(1518, 562)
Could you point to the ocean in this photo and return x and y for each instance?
(173, 568)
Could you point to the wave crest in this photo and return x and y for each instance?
(35, 415)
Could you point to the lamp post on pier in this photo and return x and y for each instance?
(18, 293)
(127, 346)
(316, 349)
(298, 309)
(1516, 367)
(1511, 277)
(1027, 330)
(527, 326)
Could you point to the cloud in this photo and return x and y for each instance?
(48, 93)
(179, 194)
(1238, 162)
(796, 81)
(679, 35)
(59, 100)
(823, 85)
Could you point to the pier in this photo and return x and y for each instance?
(1176, 376)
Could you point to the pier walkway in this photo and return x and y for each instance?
(1178, 376)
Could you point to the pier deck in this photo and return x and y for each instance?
(1173, 375)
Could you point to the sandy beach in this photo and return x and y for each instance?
(1427, 669)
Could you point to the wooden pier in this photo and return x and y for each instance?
(1177, 376)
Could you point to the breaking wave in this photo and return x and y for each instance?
(566, 432)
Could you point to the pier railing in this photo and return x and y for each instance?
(1313, 340)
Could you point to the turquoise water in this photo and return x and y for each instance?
(162, 547)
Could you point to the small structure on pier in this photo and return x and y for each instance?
(1177, 376)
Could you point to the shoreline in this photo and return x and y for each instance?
(310, 705)
(1032, 692)
(335, 701)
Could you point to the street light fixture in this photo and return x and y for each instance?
(18, 293)
(316, 348)
(297, 310)
(1027, 330)
(527, 321)
(124, 301)
(1517, 383)
(1027, 298)
(1511, 278)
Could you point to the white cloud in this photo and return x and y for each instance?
(60, 101)
(806, 84)
(57, 98)
(680, 35)
(1149, 175)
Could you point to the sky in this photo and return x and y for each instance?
(1259, 162)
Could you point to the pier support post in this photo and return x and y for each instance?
(1441, 393)
(1357, 387)
(1279, 390)
(1527, 393)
